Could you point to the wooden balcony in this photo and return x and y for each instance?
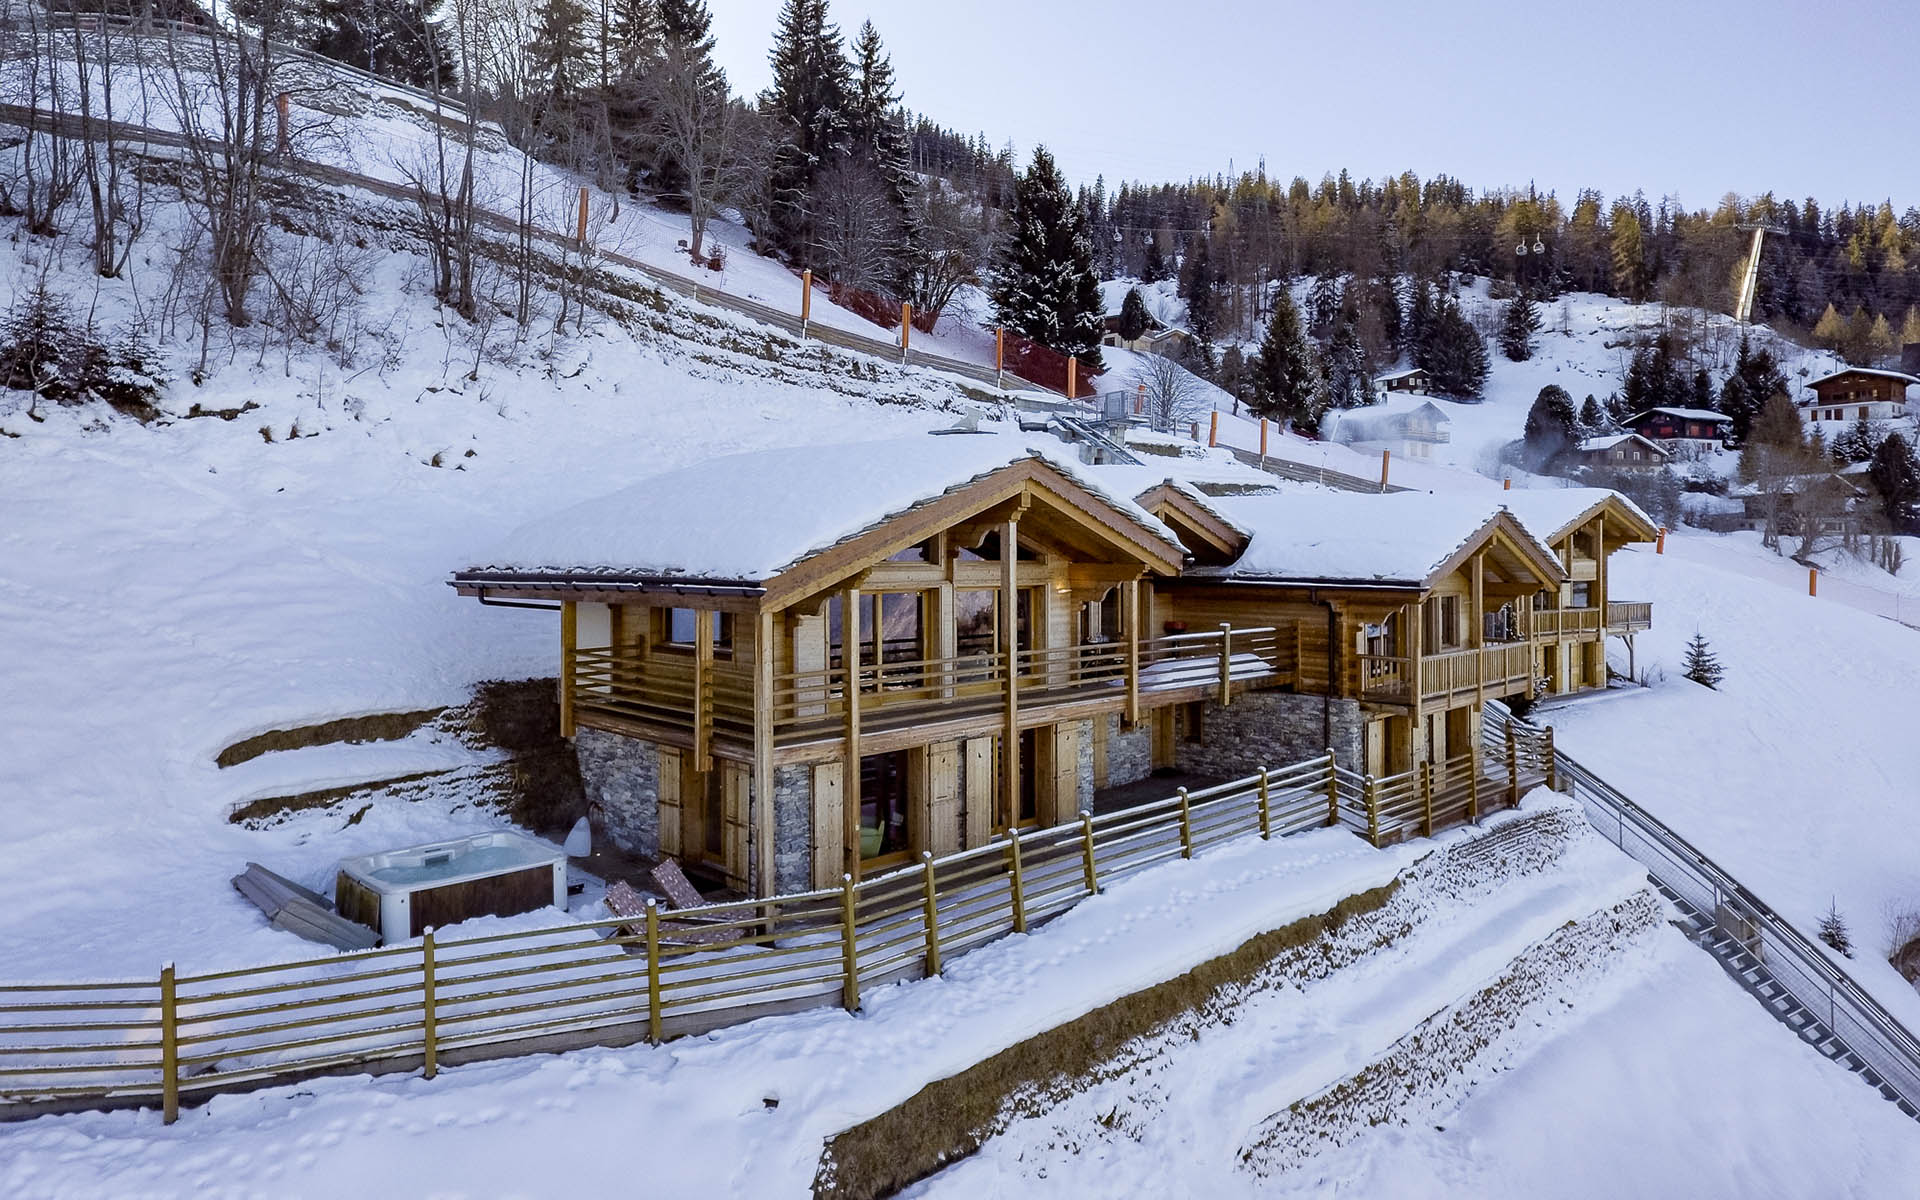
(669, 694)
(1444, 679)
(1548, 624)
(1629, 616)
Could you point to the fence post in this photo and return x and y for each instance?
(1263, 437)
(1426, 799)
(933, 914)
(429, 1017)
(1186, 826)
(169, 1049)
(1373, 810)
(1073, 371)
(1086, 851)
(653, 972)
(1226, 664)
(1266, 808)
(1553, 768)
(806, 299)
(1016, 884)
(1473, 786)
(906, 327)
(1333, 789)
(1213, 429)
(580, 228)
(1386, 460)
(1513, 769)
(999, 356)
(849, 948)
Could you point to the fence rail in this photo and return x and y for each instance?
(1806, 972)
(185, 1036)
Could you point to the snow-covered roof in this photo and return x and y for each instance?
(1548, 513)
(1608, 443)
(1900, 376)
(1392, 375)
(1165, 309)
(1685, 414)
(748, 517)
(1352, 537)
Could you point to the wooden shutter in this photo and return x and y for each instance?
(828, 814)
(668, 789)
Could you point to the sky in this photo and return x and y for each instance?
(1693, 98)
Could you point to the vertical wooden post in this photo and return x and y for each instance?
(1226, 663)
(806, 299)
(282, 111)
(1373, 810)
(1513, 768)
(1333, 789)
(1553, 768)
(429, 1008)
(569, 643)
(1426, 799)
(1813, 581)
(1473, 785)
(653, 972)
(1010, 650)
(763, 729)
(169, 1048)
(999, 355)
(580, 226)
(849, 948)
(1386, 459)
(1263, 437)
(1016, 884)
(1266, 808)
(1506, 485)
(1086, 851)
(1130, 601)
(1186, 826)
(702, 690)
(1213, 429)
(850, 690)
(932, 908)
(1073, 373)
(1660, 545)
(906, 327)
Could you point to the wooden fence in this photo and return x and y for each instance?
(185, 1036)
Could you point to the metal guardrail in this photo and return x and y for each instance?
(1804, 970)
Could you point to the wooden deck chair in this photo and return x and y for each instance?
(624, 901)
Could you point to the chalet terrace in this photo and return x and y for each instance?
(784, 666)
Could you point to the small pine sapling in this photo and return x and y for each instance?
(1833, 930)
(1703, 666)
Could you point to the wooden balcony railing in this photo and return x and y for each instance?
(1629, 616)
(1562, 622)
(670, 690)
(1497, 670)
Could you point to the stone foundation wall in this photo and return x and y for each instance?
(1270, 729)
(622, 776)
(1129, 754)
(792, 828)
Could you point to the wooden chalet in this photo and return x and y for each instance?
(1568, 626)
(1859, 394)
(786, 665)
(1674, 428)
(1618, 452)
(1413, 379)
(1378, 603)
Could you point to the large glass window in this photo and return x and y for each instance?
(683, 623)
(883, 805)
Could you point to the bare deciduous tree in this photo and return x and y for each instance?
(1173, 394)
(856, 229)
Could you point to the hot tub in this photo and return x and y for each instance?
(403, 892)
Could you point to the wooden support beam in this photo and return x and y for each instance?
(763, 814)
(850, 689)
(1130, 603)
(1009, 648)
(702, 690)
(569, 642)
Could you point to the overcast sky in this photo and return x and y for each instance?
(1688, 97)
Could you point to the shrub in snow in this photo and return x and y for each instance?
(1833, 930)
(1702, 665)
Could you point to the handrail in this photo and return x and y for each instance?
(1895, 1046)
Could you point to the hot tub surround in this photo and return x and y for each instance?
(402, 893)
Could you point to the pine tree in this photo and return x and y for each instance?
(395, 39)
(634, 33)
(1910, 327)
(1456, 357)
(1896, 477)
(1628, 254)
(559, 53)
(1879, 340)
(810, 99)
(1285, 377)
(1154, 268)
(1133, 316)
(1552, 425)
(1856, 443)
(1833, 930)
(1384, 300)
(1830, 331)
(1419, 323)
(1044, 288)
(1348, 384)
(1196, 284)
(1702, 666)
(1595, 418)
(1324, 301)
(1702, 397)
(1521, 322)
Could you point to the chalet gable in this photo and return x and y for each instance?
(1208, 535)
